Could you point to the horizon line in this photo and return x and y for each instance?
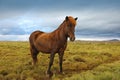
(83, 38)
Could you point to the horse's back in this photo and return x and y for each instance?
(36, 33)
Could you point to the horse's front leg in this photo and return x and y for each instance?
(50, 63)
(61, 60)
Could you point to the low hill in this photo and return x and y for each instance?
(114, 40)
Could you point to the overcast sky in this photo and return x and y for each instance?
(97, 19)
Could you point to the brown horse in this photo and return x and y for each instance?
(54, 42)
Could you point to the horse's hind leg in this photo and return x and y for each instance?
(34, 53)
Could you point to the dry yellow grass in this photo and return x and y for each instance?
(82, 61)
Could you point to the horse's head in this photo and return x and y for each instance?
(71, 23)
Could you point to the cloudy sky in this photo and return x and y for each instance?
(97, 19)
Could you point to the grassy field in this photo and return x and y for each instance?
(82, 61)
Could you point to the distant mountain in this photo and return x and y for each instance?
(114, 40)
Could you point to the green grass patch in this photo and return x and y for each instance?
(83, 60)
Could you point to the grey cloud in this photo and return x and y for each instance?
(14, 37)
(95, 18)
(57, 4)
(11, 30)
(9, 27)
(88, 21)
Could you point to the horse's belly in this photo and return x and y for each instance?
(47, 48)
(43, 49)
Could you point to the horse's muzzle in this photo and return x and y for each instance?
(72, 39)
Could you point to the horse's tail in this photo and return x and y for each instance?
(33, 38)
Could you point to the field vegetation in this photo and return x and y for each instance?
(83, 60)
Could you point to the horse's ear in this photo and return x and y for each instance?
(66, 18)
(76, 18)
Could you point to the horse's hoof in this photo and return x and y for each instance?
(49, 74)
(60, 72)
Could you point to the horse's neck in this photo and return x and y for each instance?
(61, 33)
